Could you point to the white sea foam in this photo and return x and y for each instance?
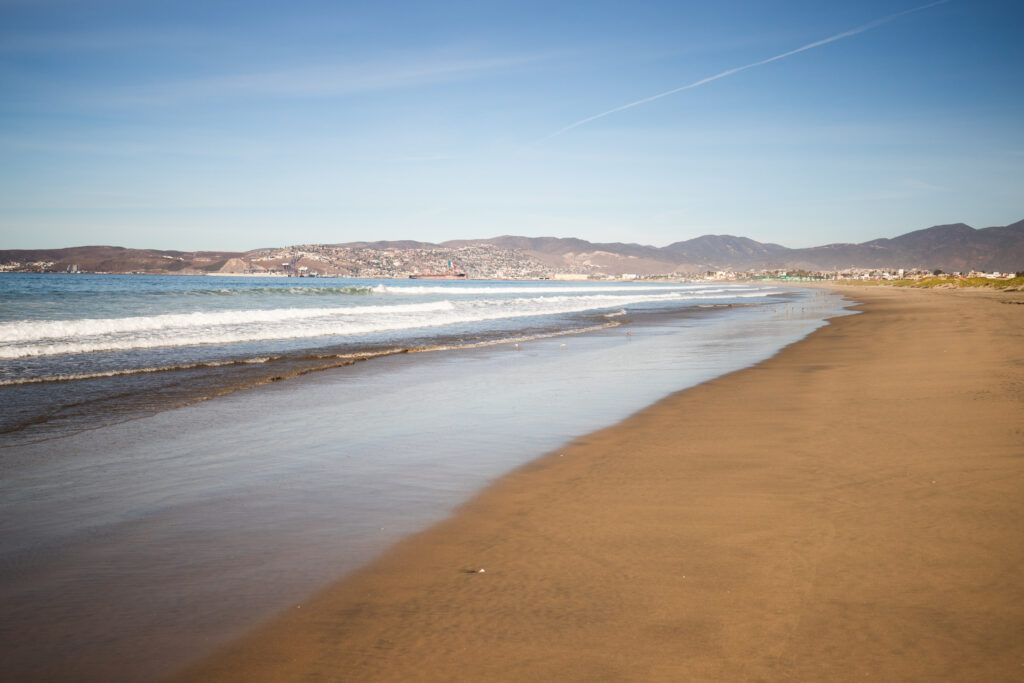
(23, 331)
(275, 291)
(545, 289)
(55, 337)
(131, 371)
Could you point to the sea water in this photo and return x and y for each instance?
(161, 494)
(82, 350)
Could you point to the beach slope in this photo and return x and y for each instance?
(851, 508)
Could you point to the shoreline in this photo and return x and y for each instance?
(138, 548)
(105, 372)
(852, 506)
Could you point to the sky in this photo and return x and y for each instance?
(237, 125)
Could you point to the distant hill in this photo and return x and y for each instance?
(954, 247)
(105, 259)
(716, 250)
(571, 254)
(382, 245)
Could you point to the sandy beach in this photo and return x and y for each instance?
(851, 508)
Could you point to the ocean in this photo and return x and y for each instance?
(184, 457)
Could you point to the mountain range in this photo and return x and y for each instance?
(951, 248)
(954, 247)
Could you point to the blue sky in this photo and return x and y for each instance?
(236, 125)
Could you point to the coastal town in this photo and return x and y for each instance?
(477, 261)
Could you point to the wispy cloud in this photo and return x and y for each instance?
(730, 72)
(311, 81)
(344, 79)
(915, 184)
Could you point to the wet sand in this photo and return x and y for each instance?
(851, 508)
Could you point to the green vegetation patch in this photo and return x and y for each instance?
(1016, 283)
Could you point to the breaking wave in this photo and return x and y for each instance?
(56, 329)
(278, 291)
(26, 339)
(22, 339)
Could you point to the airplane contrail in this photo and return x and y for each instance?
(673, 91)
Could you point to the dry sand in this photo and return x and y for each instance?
(852, 508)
